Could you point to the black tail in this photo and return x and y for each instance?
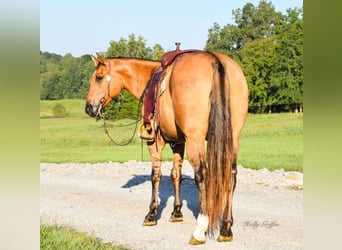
(219, 148)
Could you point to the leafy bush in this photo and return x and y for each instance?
(58, 110)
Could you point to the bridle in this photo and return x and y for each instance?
(108, 79)
(100, 116)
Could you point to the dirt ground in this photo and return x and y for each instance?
(110, 200)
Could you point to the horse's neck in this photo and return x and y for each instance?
(139, 72)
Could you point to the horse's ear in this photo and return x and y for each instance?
(100, 59)
(96, 62)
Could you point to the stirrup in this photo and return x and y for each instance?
(149, 136)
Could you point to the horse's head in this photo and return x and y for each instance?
(105, 84)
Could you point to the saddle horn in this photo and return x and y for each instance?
(177, 46)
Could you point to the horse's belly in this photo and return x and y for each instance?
(168, 129)
(166, 121)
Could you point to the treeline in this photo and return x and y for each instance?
(64, 77)
(269, 47)
(266, 43)
(67, 77)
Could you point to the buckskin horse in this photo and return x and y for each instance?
(204, 98)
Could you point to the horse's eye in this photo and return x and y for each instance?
(99, 78)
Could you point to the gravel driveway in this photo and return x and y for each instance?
(110, 200)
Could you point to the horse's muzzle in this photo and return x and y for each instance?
(92, 109)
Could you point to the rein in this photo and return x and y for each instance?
(100, 115)
(105, 127)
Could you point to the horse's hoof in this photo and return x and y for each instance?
(194, 241)
(222, 238)
(150, 223)
(176, 219)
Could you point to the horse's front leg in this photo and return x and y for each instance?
(176, 177)
(155, 149)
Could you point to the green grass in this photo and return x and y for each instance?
(271, 141)
(74, 108)
(82, 140)
(79, 138)
(56, 237)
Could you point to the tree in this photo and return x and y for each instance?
(258, 60)
(85, 70)
(291, 51)
(125, 106)
(131, 47)
(269, 47)
(50, 87)
(69, 76)
(158, 51)
(64, 77)
(49, 75)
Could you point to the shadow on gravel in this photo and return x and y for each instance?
(189, 191)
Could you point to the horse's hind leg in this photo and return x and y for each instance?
(226, 233)
(176, 176)
(196, 157)
(155, 150)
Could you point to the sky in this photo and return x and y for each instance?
(84, 27)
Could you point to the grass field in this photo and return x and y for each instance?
(270, 141)
(56, 237)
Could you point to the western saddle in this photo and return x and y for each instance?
(150, 97)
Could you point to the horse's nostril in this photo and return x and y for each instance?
(91, 109)
(87, 109)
